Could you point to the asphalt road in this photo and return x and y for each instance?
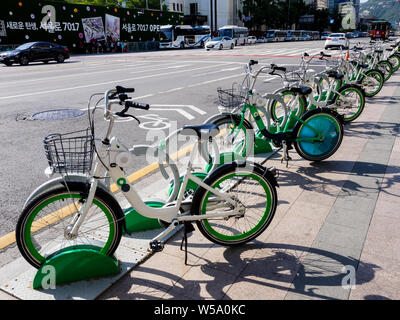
(180, 85)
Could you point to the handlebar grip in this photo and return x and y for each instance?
(275, 67)
(121, 89)
(253, 62)
(137, 105)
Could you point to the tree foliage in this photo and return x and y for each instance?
(284, 15)
(153, 4)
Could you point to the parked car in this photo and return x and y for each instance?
(290, 37)
(35, 51)
(305, 37)
(337, 40)
(350, 35)
(325, 35)
(262, 40)
(251, 40)
(220, 43)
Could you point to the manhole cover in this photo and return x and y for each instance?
(59, 114)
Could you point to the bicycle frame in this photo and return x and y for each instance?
(105, 161)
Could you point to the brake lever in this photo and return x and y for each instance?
(124, 115)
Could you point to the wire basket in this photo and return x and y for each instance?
(231, 98)
(293, 77)
(70, 152)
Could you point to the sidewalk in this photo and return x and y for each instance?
(334, 235)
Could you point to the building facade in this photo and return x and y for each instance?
(215, 13)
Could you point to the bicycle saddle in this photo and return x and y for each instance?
(304, 90)
(334, 74)
(363, 65)
(203, 131)
(378, 51)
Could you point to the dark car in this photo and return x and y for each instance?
(35, 51)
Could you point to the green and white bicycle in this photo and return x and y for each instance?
(233, 205)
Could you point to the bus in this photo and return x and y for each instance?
(315, 35)
(295, 34)
(183, 36)
(380, 29)
(276, 35)
(239, 34)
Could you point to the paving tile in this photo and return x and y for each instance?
(343, 236)
(387, 226)
(203, 283)
(349, 218)
(355, 203)
(382, 245)
(316, 197)
(161, 270)
(248, 289)
(129, 288)
(387, 209)
(376, 279)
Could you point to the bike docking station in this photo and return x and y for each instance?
(85, 262)
(82, 272)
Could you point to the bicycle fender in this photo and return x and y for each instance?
(72, 178)
(75, 179)
(56, 182)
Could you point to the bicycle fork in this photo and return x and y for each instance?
(71, 231)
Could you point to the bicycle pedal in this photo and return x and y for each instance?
(156, 246)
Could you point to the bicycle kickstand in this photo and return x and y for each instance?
(187, 228)
(285, 156)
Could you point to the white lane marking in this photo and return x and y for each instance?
(171, 90)
(198, 110)
(180, 66)
(100, 83)
(182, 112)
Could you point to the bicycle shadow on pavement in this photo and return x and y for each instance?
(312, 178)
(255, 271)
(371, 130)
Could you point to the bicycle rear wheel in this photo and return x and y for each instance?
(324, 121)
(44, 223)
(252, 187)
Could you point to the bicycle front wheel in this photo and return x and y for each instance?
(386, 68)
(372, 82)
(324, 122)
(250, 187)
(296, 103)
(42, 229)
(231, 137)
(349, 102)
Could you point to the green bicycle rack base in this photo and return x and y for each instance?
(135, 222)
(261, 145)
(76, 264)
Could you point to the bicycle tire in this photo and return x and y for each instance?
(386, 68)
(394, 59)
(377, 75)
(323, 119)
(257, 215)
(244, 144)
(41, 237)
(358, 105)
(285, 92)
